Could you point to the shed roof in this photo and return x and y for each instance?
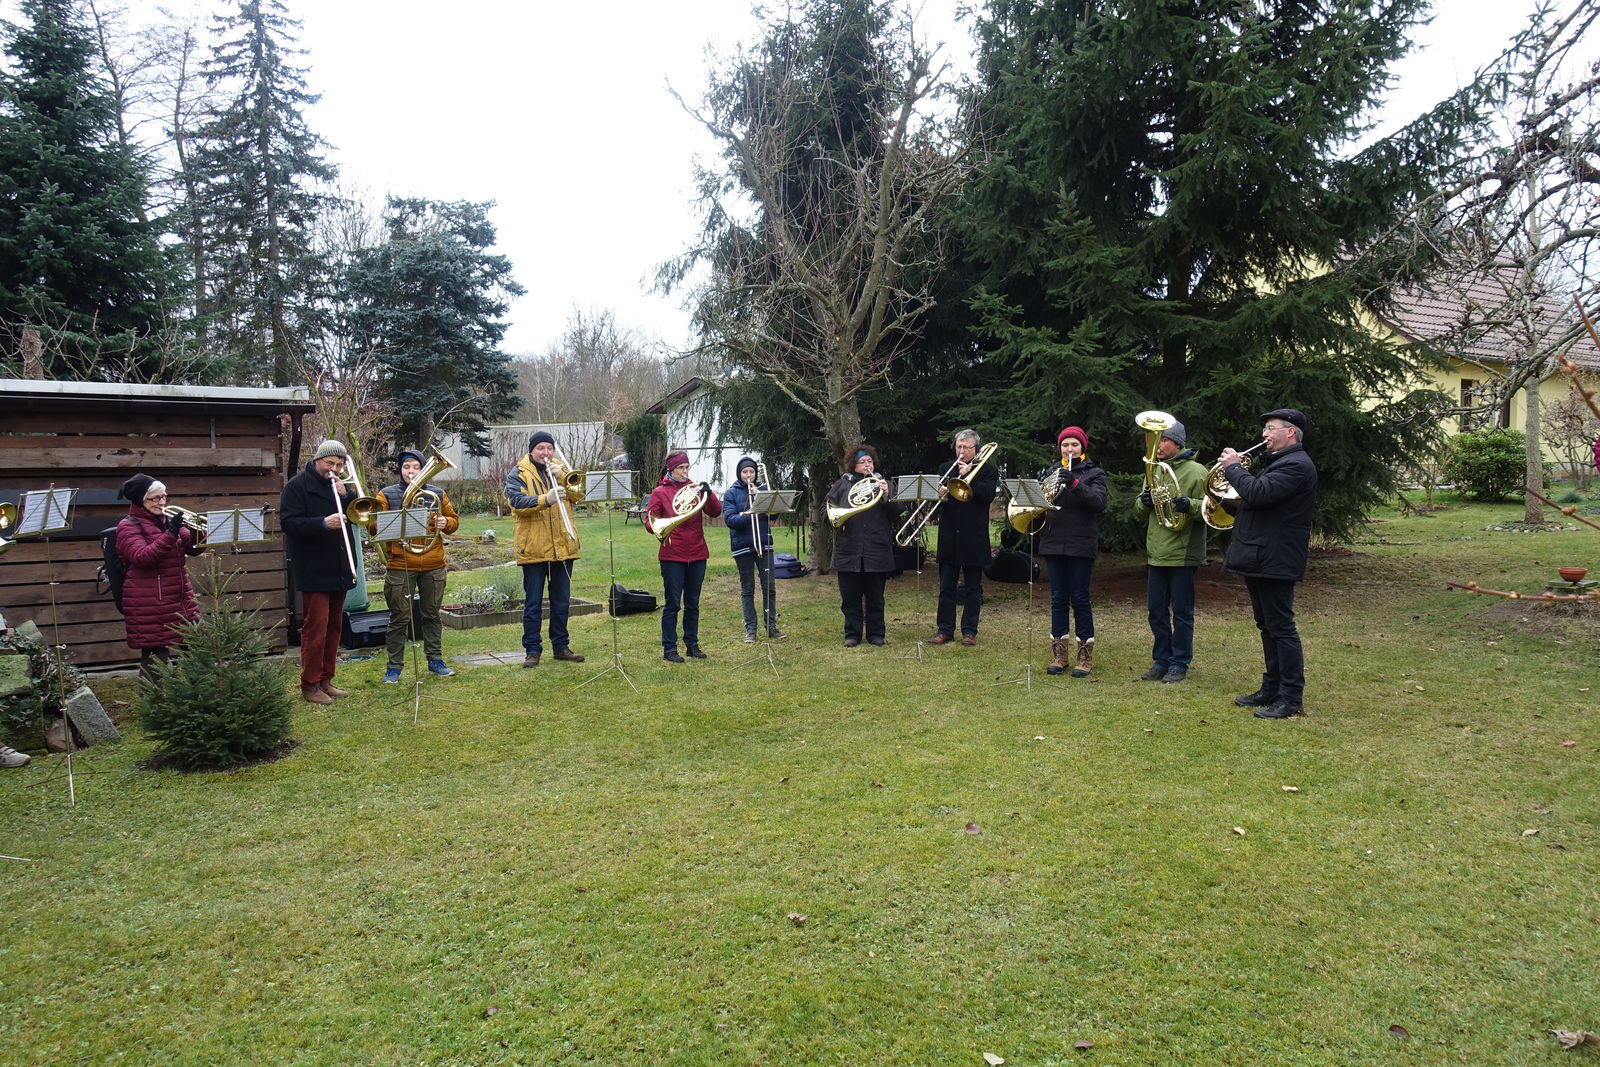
(114, 395)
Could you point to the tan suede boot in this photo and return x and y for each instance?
(1060, 655)
(1085, 659)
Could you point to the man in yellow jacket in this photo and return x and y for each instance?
(419, 574)
(546, 543)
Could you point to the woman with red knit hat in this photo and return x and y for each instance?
(1069, 541)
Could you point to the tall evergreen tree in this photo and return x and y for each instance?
(427, 302)
(78, 260)
(1169, 220)
(255, 174)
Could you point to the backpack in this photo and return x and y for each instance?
(110, 573)
(787, 565)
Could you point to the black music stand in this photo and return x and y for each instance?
(46, 511)
(1028, 493)
(606, 487)
(921, 488)
(405, 524)
(767, 502)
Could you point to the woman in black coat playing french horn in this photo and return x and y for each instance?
(863, 546)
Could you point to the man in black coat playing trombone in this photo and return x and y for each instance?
(1271, 538)
(963, 547)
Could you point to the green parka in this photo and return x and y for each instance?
(1185, 546)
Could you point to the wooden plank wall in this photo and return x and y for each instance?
(208, 460)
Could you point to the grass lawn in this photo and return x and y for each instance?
(870, 859)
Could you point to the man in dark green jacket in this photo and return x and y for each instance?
(1172, 556)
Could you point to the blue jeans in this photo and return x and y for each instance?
(1169, 598)
(1069, 595)
(534, 575)
(750, 567)
(969, 597)
(681, 584)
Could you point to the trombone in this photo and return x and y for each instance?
(568, 480)
(959, 489)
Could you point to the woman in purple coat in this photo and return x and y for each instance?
(156, 594)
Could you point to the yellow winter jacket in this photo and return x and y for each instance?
(540, 534)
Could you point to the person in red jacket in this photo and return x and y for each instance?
(156, 595)
(683, 557)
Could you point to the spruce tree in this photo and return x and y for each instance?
(78, 260)
(255, 178)
(427, 303)
(1171, 219)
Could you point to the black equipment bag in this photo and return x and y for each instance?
(364, 629)
(622, 601)
(787, 565)
(1010, 565)
(110, 573)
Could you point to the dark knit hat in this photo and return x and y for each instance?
(1073, 431)
(540, 437)
(1292, 416)
(744, 461)
(410, 453)
(676, 459)
(1179, 435)
(135, 488)
(330, 447)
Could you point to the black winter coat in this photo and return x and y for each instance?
(1272, 532)
(317, 560)
(964, 525)
(1074, 530)
(866, 541)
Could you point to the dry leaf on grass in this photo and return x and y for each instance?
(798, 918)
(974, 828)
(1574, 1038)
(992, 1060)
(491, 1010)
(1530, 833)
(1083, 1046)
(1290, 788)
(1399, 1031)
(1239, 830)
(1569, 744)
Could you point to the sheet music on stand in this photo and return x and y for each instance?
(402, 524)
(1027, 492)
(773, 501)
(604, 487)
(917, 487)
(45, 511)
(236, 526)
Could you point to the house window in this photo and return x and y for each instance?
(1470, 397)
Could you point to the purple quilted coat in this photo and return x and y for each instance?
(155, 587)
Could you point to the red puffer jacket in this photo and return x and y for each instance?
(155, 587)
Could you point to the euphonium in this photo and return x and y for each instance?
(8, 519)
(1026, 520)
(867, 493)
(417, 495)
(1159, 478)
(1221, 504)
(686, 503)
(192, 519)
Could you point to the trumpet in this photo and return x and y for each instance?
(194, 520)
(8, 519)
(959, 488)
(1221, 505)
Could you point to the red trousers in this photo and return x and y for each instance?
(319, 636)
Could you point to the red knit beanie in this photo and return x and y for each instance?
(1073, 431)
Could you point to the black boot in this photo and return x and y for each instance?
(1267, 694)
(1281, 709)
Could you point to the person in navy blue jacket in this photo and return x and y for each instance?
(1271, 539)
(750, 538)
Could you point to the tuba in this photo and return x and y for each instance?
(867, 493)
(1159, 477)
(1026, 520)
(417, 495)
(686, 503)
(1221, 504)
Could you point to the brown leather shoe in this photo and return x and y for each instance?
(334, 691)
(531, 659)
(939, 639)
(313, 694)
(569, 655)
(969, 639)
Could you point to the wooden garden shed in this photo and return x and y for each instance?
(214, 447)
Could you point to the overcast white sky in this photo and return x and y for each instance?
(560, 114)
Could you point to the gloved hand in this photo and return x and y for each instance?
(705, 487)
(1145, 500)
(1182, 504)
(550, 497)
(174, 524)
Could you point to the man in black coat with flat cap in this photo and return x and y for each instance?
(1271, 538)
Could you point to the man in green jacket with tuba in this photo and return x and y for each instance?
(1171, 559)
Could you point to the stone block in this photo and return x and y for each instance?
(15, 678)
(90, 719)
